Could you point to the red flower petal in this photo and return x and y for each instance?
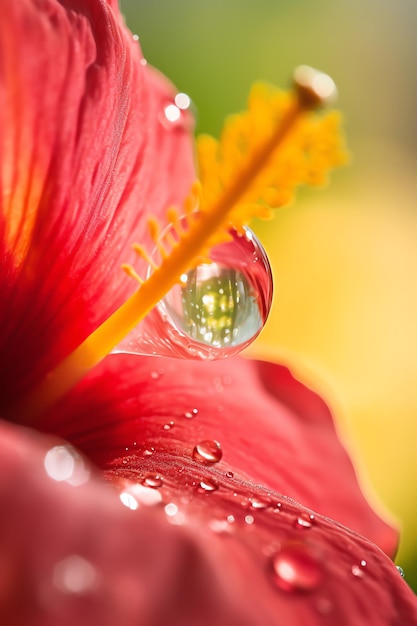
(85, 158)
(204, 560)
(272, 430)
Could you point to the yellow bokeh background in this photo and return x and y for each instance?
(344, 259)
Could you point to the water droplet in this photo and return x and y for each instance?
(190, 414)
(231, 519)
(357, 571)
(258, 503)
(297, 567)
(222, 305)
(149, 451)
(75, 575)
(169, 425)
(153, 480)
(135, 494)
(135, 37)
(207, 486)
(400, 571)
(208, 452)
(304, 521)
(63, 463)
(229, 474)
(249, 519)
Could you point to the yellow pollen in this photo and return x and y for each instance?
(262, 156)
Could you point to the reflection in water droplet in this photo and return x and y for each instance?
(207, 486)
(304, 521)
(297, 567)
(63, 463)
(400, 571)
(153, 480)
(208, 452)
(75, 575)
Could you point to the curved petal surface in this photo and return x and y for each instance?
(85, 157)
(189, 558)
(272, 430)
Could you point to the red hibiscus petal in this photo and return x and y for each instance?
(85, 158)
(73, 554)
(272, 430)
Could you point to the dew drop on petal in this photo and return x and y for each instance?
(153, 480)
(190, 414)
(229, 474)
(304, 521)
(258, 503)
(400, 571)
(207, 486)
(208, 452)
(249, 519)
(297, 566)
(357, 571)
(219, 308)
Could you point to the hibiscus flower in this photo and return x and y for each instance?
(162, 490)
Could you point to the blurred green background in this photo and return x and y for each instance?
(344, 259)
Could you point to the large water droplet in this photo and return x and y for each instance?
(297, 567)
(216, 310)
(224, 304)
(208, 452)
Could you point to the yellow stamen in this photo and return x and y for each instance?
(236, 175)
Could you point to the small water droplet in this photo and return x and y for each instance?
(258, 503)
(153, 480)
(304, 521)
(231, 519)
(297, 567)
(171, 509)
(169, 425)
(190, 414)
(135, 37)
(149, 451)
(154, 375)
(229, 474)
(143, 62)
(224, 304)
(249, 519)
(208, 452)
(357, 571)
(400, 571)
(207, 486)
